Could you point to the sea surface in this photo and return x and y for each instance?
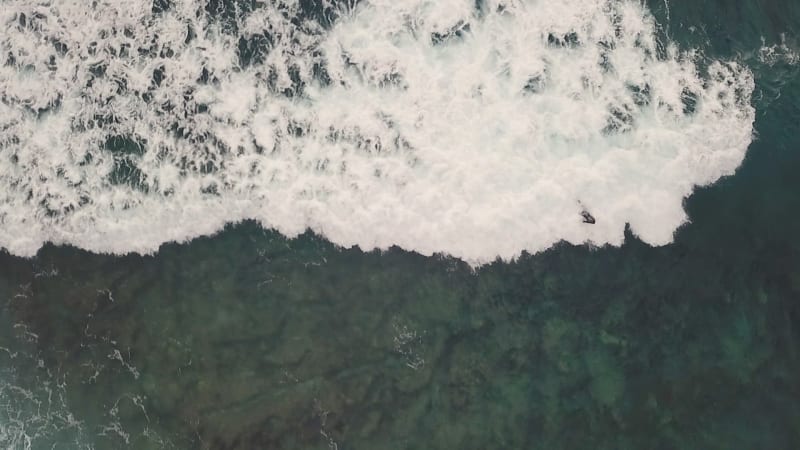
(400, 224)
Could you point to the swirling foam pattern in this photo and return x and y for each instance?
(477, 129)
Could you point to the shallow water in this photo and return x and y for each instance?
(247, 339)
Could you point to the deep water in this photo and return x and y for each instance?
(249, 340)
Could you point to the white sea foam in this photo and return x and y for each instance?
(476, 129)
(778, 53)
(33, 407)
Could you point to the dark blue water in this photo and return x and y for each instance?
(247, 340)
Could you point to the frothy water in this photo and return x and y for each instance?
(477, 129)
(34, 411)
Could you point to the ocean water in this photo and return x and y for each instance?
(316, 224)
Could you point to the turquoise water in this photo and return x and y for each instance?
(250, 340)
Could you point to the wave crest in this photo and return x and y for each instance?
(476, 129)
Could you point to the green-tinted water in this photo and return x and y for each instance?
(248, 341)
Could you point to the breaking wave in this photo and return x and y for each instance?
(478, 129)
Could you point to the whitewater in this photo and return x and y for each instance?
(475, 129)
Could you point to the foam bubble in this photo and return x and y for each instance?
(477, 129)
